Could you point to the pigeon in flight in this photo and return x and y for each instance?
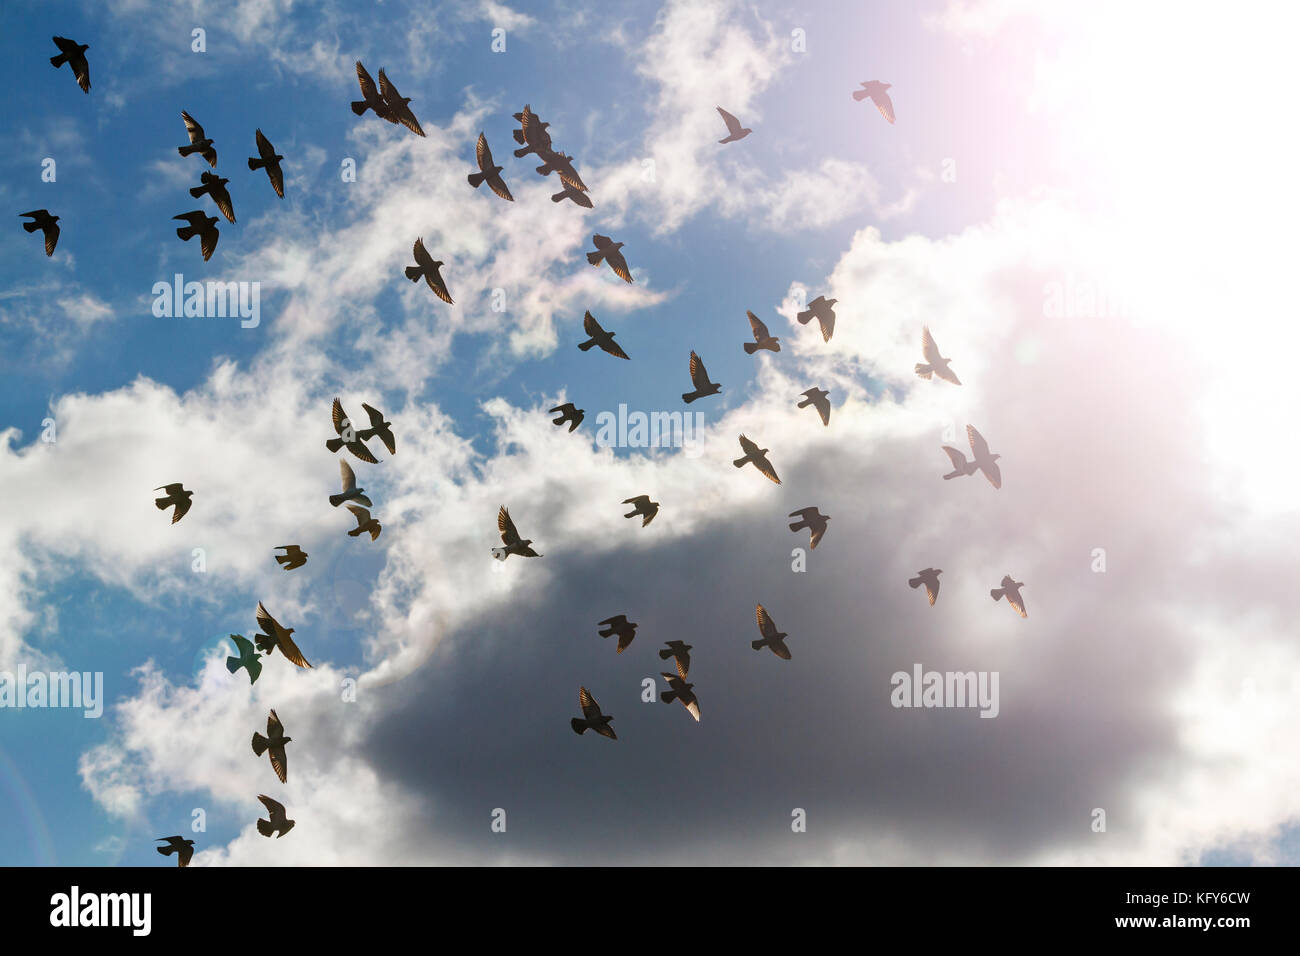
(510, 537)
(365, 523)
(642, 505)
(876, 90)
(184, 849)
(427, 267)
(983, 460)
(74, 54)
(568, 192)
(488, 172)
(371, 100)
(199, 143)
(562, 164)
(930, 578)
(273, 635)
(679, 650)
(759, 458)
(348, 436)
(215, 187)
(350, 490)
(176, 495)
(532, 133)
(813, 520)
(772, 638)
(568, 413)
(592, 718)
(816, 397)
(607, 249)
(734, 130)
(823, 309)
(620, 625)
(396, 104)
(268, 159)
(679, 689)
(700, 379)
(279, 823)
(205, 227)
(599, 337)
(762, 338)
(379, 428)
(936, 364)
(1011, 591)
(247, 659)
(42, 220)
(293, 557)
(273, 743)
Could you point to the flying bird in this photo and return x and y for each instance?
(935, 364)
(427, 267)
(184, 849)
(876, 90)
(293, 557)
(984, 461)
(773, 639)
(348, 436)
(681, 651)
(600, 337)
(350, 490)
(371, 100)
(215, 187)
(268, 159)
(930, 578)
(199, 143)
(365, 523)
(607, 249)
(734, 130)
(1011, 591)
(562, 164)
(379, 428)
(823, 309)
(205, 227)
(642, 505)
(273, 744)
(273, 635)
(42, 220)
(510, 537)
(960, 466)
(758, 456)
(74, 54)
(568, 413)
(762, 338)
(679, 689)
(592, 718)
(247, 659)
(279, 822)
(532, 133)
(620, 625)
(176, 495)
(396, 104)
(813, 520)
(568, 192)
(700, 379)
(488, 172)
(816, 397)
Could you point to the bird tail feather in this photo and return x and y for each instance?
(804, 317)
(59, 60)
(740, 462)
(668, 696)
(558, 197)
(359, 106)
(256, 163)
(232, 664)
(476, 179)
(334, 444)
(860, 95)
(187, 232)
(198, 191)
(925, 371)
(260, 744)
(664, 655)
(587, 345)
(751, 347)
(579, 726)
(757, 644)
(689, 397)
(264, 827)
(595, 257)
(336, 500)
(31, 226)
(186, 150)
(522, 151)
(414, 273)
(913, 582)
(997, 593)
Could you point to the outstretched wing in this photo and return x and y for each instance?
(192, 127)
(368, 89)
(977, 443)
(590, 709)
(699, 374)
(957, 458)
(483, 154)
(755, 323)
(274, 728)
(347, 474)
(591, 326)
(733, 124)
(928, 348)
(766, 626)
(274, 807)
(507, 527)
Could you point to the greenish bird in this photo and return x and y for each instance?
(247, 659)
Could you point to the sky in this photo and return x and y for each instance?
(1086, 204)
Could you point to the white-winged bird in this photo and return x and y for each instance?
(773, 639)
(396, 104)
(350, 490)
(607, 249)
(823, 309)
(293, 557)
(268, 159)
(930, 578)
(371, 100)
(176, 495)
(184, 849)
(816, 397)
(620, 625)
(758, 456)
(568, 413)
(426, 267)
(700, 379)
(679, 689)
(379, 428)
(74, 54)
(348, 438)
(273, 635)
(984, 461)
(642, 505)
(205, 227)
(1011, 591)
(935, 364)
(365, 523)
(42, 220)
(215, 187)
(762, 338)
(273, 744)
(488, 172)
(592, 718)
(679, 650)
(813, 520)
(734, 130)
(247, 658)
(599, 337)
(279, 822)
(876, 90)
(510, 537)
(199, 142)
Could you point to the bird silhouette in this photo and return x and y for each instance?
(215, 187)
(607, 249)
(816, 397)
(279, 822)
(620, 625)
(532, 133)
(273, 636)
(247, 659)
(700, 379)
(642, 505)
(510, 537)
(350, 490)
(427, 267)
(273, 745)
(577, 195)
(813, 520)
(397, 105)
(42, 220)
(762, 338)
(773, 639)
(205, 227)
(876, 90)
(349, 437)
(823, 310)
(184, 849)
(984, 461)
(74, 54)
(293, 557)
(561, 164)
(365, 523)
(599, 337)
(679, 650)
(734, 130)
(379, 428)
(960, 466)
(930, 578)
(758, 456)
(199, 142)
(1011, 591)
(371, 100)
(680, 690)
(568, 413)
(176, 495)
(268, 159)
(936, 364)
(592, 718)
(488, 172)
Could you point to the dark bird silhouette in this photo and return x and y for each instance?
(607, 249)
(532, 133)
(936, 364)
(620, 625)
(350, 490)
(813, 520)
(568, 413)
(700, 379)
(488, 172)
(396, 104)
(823, 310)
(427, 267)
(74, 54)
(379, 428)
(679, 650)
(205, 227)
(279, 822)
(247, 659)
(600, 337)
(293, 557)
(184, 849)
(510, 537)
(1011, 591)
(176, 495)
(876, 90)
(199, 143)
(215, 187)
(273, 635)
(568, 192)
(268, 159)
(561, 164)
(592, 718)
(816, 397)
(348, 436)
(371, 100)
(273, 744)
(930, 578)
(758, 456)
(960, 466)
(642, 505)
(734, 130)
(365, 523)
(679, 689)
(762, 338)
(42, 220)
(773, 639)
(984, 461)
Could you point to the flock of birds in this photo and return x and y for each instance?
(384, 100)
